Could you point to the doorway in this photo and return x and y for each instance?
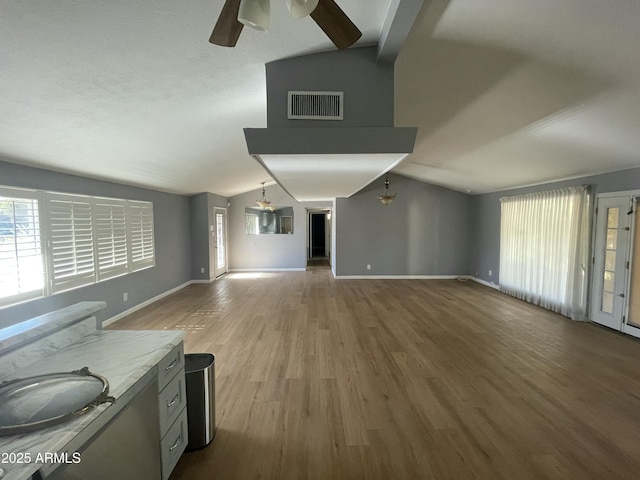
(317, 235)
(220, 241)
(319, 238)
(615, 298)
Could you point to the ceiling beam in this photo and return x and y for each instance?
(397, 24)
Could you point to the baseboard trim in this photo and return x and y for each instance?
(417, 277)
(398, 277)
(203, 281)
(144, 304)
(484, 282)
(244, 270)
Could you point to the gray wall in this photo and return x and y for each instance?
(254, 252)
(485, 230)
(172, 242)
(424, 231)
(202, 218)
(249, 252)
(366, 83)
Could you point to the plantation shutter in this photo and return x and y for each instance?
(111, 237)
(21, 260)
(141, 234)
(72, 242)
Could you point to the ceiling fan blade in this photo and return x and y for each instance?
(228, 28)
(335, 23)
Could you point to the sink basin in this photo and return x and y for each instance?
(28, 404)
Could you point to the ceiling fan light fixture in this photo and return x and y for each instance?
(335, 24)
(227, 29)
(301, 8)
(255, 14)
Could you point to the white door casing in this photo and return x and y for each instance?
(220, 241)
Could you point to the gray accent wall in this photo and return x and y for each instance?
(484, 246)
(366, 83)
(255, 252)
(318, 140)
(172, 243)
(368, 107)
(424, 231)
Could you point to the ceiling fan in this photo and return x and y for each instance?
(327, 14)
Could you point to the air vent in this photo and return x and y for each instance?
(315, 105)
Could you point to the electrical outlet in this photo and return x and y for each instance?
(125, 296)
(368, 267)
(490, 272)
(201, 269)
(477, 274)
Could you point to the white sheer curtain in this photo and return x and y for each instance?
(544, 249)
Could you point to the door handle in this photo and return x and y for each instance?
(621, 295)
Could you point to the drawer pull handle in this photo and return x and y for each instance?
(174, 401)
(176, 443)
(171, 365)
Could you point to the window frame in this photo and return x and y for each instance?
(23, 193)
(105, 243)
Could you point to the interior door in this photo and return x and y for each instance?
(611, 259)
(221, 241)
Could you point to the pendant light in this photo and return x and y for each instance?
(301, 8)
(255, 14)
(263, 202)
(385, 198)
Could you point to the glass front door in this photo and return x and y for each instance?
(610, 261)
(221, 241)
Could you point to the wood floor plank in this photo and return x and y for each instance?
(318, 378)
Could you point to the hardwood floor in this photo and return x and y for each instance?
(318, 378)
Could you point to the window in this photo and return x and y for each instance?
(544, 249)
(111, 238)
(21, 258)
(251, 224)
(80, 239)
(72, 242)
(141, 225)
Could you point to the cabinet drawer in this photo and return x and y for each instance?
(171, 364)
(173, 444)
(171, 401)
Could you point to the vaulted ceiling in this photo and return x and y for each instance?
(504, 93)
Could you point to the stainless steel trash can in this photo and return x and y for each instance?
(201, 399)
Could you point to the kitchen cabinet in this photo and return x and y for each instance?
(131, 361)
(172, 407)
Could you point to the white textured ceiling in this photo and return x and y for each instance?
(132, 91)
(509, 93)
(504, 92)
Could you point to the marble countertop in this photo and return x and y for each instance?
(15, 335)
(125, 358)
